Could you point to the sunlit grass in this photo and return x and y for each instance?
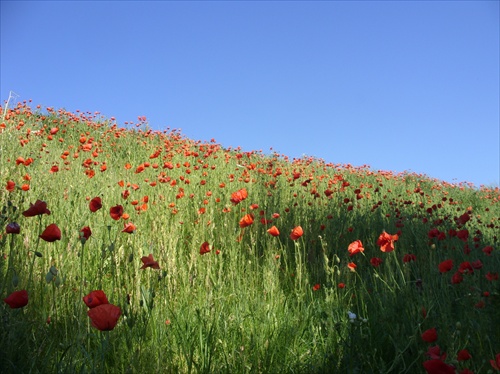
(253, 302)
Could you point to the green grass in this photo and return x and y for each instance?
(249, 305)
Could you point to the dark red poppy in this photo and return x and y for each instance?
(116, 212)
(463, 355)
(429, 335)
(17, 299)
(40, 207)
(85, 233)
(105, 316)
(434, 353)
(149, 262)
(95, 298)
(438, 367)
(409, 257)
(13, 228)
(95, 204)
(487, 250)
(445, 266)
(51, 233)
(375, 261)
(296, 233)
(495, 364)
(205, 248)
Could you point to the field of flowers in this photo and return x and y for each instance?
(128, 250)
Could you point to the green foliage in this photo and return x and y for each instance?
(254, 302)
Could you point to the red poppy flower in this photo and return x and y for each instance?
(316, 287)
(487, 250)
(386, 242)
(51, 233)
(352, 266)
(409, 257)
(246, 221)
(11, 186)
(274, 231)
(85, 233)
(40, 207)
(95, 204)
(149, 262)
(129, 228)
(375, 261)
(296, 233)
(13, 228)
(457, 278)
(205, 248)
(105, 316)
(438, 367)
(445, 266)
(17, 299)
(429, 335)
(238, 196)
(491, 276)
(463, 355)
(355, 247)
(495, 364)
(463, 235)
(434, 353)
(116, 212)
(95, 298)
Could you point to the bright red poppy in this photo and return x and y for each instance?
(273, 231)
(40, 207)
(116, 212)
(104, 317)
(438, 367)
(17, 299)
(13, 228)
(149, 262)
(95, 298)
(316, 287)
(205, 248)
(95, 204)
(51, 233)
(129, 228)
(11, 186)
(445, 266)
(296, 233)
(238, 196)
(386, 242)
(429, 335)
(352, 266)
(355, 247)
(246, 221)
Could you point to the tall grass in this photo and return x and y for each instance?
(255, 302)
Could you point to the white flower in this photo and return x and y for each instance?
(351, 315)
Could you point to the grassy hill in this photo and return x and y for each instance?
(217, 260)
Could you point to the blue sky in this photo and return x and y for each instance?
(396, 85)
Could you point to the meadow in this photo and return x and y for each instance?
(128, 250)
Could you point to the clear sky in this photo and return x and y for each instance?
(398, 85)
